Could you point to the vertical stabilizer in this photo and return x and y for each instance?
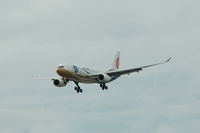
(115, 64)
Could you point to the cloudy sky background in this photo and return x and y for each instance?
(36, 35)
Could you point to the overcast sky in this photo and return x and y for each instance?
(37, 35)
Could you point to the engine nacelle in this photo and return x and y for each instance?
(59, 83)
(104, 78)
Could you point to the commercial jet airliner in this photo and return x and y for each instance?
(86, 75)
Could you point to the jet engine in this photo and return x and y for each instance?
(104, 78)
(59, 83)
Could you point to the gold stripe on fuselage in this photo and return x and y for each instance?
(69, 75)
(64, 73)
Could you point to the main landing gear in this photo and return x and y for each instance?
(103, 86)
(77, 88)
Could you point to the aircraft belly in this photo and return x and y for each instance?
(81, 79)
(86, 80)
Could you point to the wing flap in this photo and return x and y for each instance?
(122, 72)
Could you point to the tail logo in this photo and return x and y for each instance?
(117, 63)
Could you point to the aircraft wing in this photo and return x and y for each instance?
(46, 78)
(128, 71)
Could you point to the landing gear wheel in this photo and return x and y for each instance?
(101, 85)
(106, 87)
(79, 90)
(76, 88)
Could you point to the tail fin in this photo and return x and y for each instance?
(115, 64)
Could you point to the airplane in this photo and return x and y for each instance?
(88, 76)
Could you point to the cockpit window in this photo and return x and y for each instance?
(60, 66)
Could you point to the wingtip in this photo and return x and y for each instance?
(168, 59)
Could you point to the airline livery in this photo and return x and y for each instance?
(89, 76)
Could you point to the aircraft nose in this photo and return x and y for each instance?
(58, 70)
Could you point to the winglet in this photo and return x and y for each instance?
(168, 59)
